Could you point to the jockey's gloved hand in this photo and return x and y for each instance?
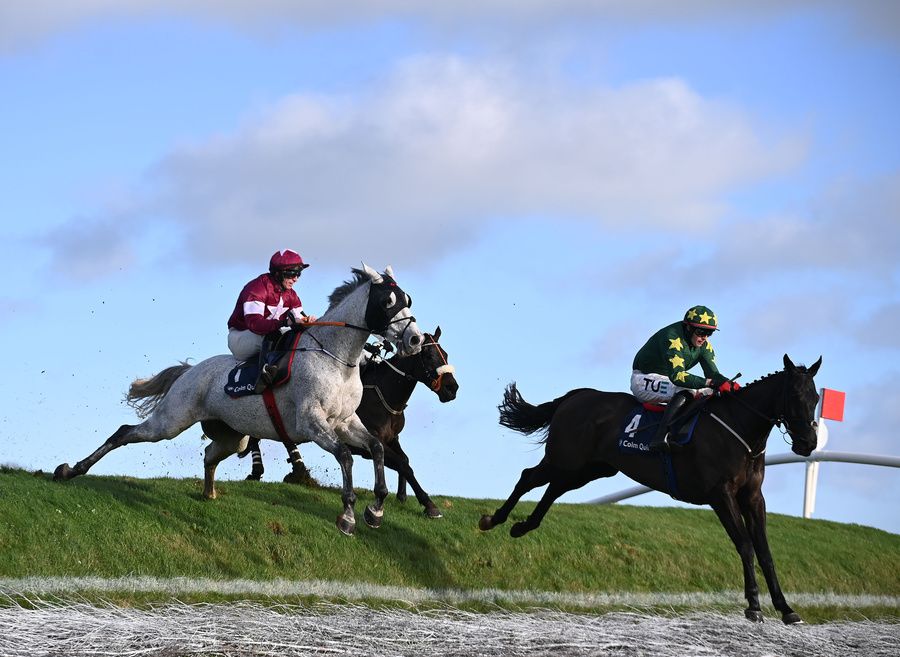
(729, 386)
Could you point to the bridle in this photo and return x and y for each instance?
(780, 417)
(434, 377)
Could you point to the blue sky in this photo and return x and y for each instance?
(551, 181)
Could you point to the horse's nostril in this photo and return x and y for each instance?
(415, 340)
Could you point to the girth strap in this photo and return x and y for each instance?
(272, 408)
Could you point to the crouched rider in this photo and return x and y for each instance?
(267, 303)
(660, 370)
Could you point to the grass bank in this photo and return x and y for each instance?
(115, 527)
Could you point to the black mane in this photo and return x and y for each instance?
(343, 291)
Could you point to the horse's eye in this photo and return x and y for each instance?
(391, 300)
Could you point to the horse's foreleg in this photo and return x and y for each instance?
(754, 513)
(396, 459)
(726, 508)
(64, 472)
(530, 479)
(354, 432)
(401, 488)
(314, 428)
(346, 522)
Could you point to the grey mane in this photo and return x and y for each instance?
(341, 292)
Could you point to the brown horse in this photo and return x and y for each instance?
(723, 466)
(387, 386)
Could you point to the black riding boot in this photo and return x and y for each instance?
(661, 439)
(267, 371)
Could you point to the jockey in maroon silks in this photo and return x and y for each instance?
(266, 304)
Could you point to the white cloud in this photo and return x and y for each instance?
(444, 144)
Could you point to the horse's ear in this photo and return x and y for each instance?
(389, 271)
(815, 367)
(788, 365)
(437, 334)
(374, 275)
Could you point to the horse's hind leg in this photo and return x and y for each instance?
(256, 469)
(64, 471)
(561, 483)
(530, 479)
(217, 451)
(161, 425)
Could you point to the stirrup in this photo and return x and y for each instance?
(268, 374)
(665, 445)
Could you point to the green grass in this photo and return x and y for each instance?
(119, 526)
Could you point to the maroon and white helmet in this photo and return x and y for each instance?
(286, 259)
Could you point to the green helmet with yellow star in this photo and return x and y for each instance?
(701, 317)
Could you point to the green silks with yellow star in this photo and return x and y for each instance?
(669, 352)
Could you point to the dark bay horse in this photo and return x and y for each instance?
(723, 466)
(387, 386)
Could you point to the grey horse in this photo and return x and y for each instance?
(318, 404)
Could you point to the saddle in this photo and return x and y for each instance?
(642, 421)
(243, 378)
(640, 428)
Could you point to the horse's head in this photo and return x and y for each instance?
(800, 400)
(432, 367)
(388, 312)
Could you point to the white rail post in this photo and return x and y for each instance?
(831, 406)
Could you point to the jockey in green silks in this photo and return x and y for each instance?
(660, 370)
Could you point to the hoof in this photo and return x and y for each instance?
(253, 477)
(301, 478)
(373, 517)
(62, 472)
(210, 495)
(793, 618)
(433, 513)
(754, 614)
(519, 529)
(347, 526)
(486, 523)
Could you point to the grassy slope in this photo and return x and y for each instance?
(109, 527)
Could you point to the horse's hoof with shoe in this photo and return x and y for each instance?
(62, 472)
(486, 523)
(373, 516)
(346, 525)
(754, 614)
(519, 529)
(432, 512)
(300, 478)
(792, 618)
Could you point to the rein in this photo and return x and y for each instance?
(435, 384)
(776, 421)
